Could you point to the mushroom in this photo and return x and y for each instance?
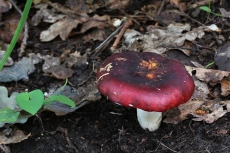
(147, 81)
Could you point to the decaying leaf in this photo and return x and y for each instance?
(62, 28)
(96, 34)
(158, 40)
(20, 70)
(77, 59)
(8, 27)
(224, 12)
(118, 4)
(63, 24)
(81, 97)
(15, 137)
(225, 86)
(46, 15)
(213, 77)
(96, 21)
(10, 102)
(50, 61)
(168, 16)
(179, 114)
(201, 90)
(60, 72)
(208, 75)
(5, 101)
(210, 117)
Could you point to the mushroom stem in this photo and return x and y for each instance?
(149, 120)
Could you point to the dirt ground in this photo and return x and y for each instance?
(104, 127)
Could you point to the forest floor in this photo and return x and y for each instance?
(99, 125)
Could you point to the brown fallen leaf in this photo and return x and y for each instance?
(179, 114)
(8, 27)
(15, 137)
(60, 72)
(62, 28)
(158, 39)
(225, 86)
(208, 75)
(210, 118)
(118, 4)
(46, 15)
(96, 34)
(97, 21)
(168, 16)
(75, 59)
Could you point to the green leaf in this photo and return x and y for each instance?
(205, 8)
(8, 115)
(30, 102)
(59, 98)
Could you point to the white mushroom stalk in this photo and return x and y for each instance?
(149, 120)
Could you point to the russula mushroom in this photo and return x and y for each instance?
(147, 81)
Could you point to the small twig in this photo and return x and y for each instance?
(43, 130)
(166, 146)
(161, 7)
(105, 43)
(191, 128)
(121, 33)
(60, 129)
(25, 37)
(5, 148)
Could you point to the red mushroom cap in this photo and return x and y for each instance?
(144, 80)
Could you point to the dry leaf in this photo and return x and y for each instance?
(96, 34)
(208, 75)
(76, 59)
(225, 87)
(158, 40)
(210, 118)
(179, 114)
(50, 61)
(15, 137)
(62, 28)
(81, 96)
(96, 21)
(59, 72)
(8, 27)
(118, 4)
(45, 15)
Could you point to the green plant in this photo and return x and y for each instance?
(17, 33)
(210, 64)
(207, 9)
(31, 102)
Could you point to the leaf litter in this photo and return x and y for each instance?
(156, 39)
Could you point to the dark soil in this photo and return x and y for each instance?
(104, 127)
